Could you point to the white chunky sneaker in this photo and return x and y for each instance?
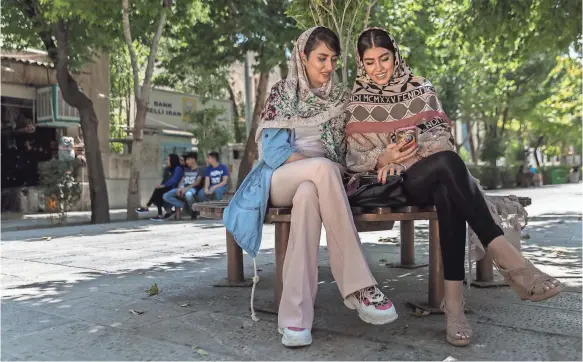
(295, 337)
(372, 305)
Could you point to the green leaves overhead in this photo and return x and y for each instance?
(233, 29)
(93, 25)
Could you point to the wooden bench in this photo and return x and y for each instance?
(365, 220)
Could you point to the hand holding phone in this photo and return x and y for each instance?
(407, 138)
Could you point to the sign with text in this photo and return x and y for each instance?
(170, 110)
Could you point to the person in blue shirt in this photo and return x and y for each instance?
(170, 178)
(216, 179)
(183, 196)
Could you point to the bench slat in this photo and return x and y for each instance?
(215, 209)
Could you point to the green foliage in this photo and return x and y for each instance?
(500, 63)
(199, 59)
(346, 17)
(465, 155)
(558, 117)
(210, 134)
(120, 94)
(58, 180)
(233, 29)
(92, 25)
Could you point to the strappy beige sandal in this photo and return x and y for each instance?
(456, 325)
(529, 282)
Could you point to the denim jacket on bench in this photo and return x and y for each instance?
(245, 214)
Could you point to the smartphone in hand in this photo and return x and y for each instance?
(408, 136)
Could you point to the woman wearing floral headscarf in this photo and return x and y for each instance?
(301, 141)
(397, 125)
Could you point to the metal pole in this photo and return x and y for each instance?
(248, 108)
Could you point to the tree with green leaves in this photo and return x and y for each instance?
(213, 83)
(505, 50)
(144, 21)
(210, 134)
(488, 59)
(235, 29)
(556, 121)
(72, 32)
(141, 96)
(120, 95)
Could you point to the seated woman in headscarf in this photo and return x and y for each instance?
(302, 147)
(397, 125)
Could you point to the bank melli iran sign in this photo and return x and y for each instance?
(170, 110)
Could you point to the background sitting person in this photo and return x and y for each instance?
(216, 180)
(170, 177)
(188, 187)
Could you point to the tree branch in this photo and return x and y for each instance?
(344, 13)
(233, 101)
(130, 43)
(153, 52)
(367, 16)
(62, 37)
(338, 28)
(32, 12)
(351, 29)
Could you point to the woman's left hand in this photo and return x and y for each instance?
(390, 170)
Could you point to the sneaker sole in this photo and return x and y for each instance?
(158, 220)
(294, 342)
(376, 321)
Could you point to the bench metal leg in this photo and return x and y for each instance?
(281, 240)
(436, 285)
(235, 275)
(407, 247)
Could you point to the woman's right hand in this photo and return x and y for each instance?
(387, 170)
(395, 154)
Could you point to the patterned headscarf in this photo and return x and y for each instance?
(292, 103)
(377, 111)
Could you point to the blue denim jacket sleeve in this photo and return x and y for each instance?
(276, 146)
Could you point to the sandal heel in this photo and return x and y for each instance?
(456, 323)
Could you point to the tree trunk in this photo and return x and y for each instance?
(564, 152)
(250, 153)
(478, 137)
(141, 96)
(74, 97)
(345, 67)
(95, 174)
(236, 115)
(504, 120)
(473, 153)
(134, 194)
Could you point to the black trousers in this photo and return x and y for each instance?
(156, 198)
(443, 180)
